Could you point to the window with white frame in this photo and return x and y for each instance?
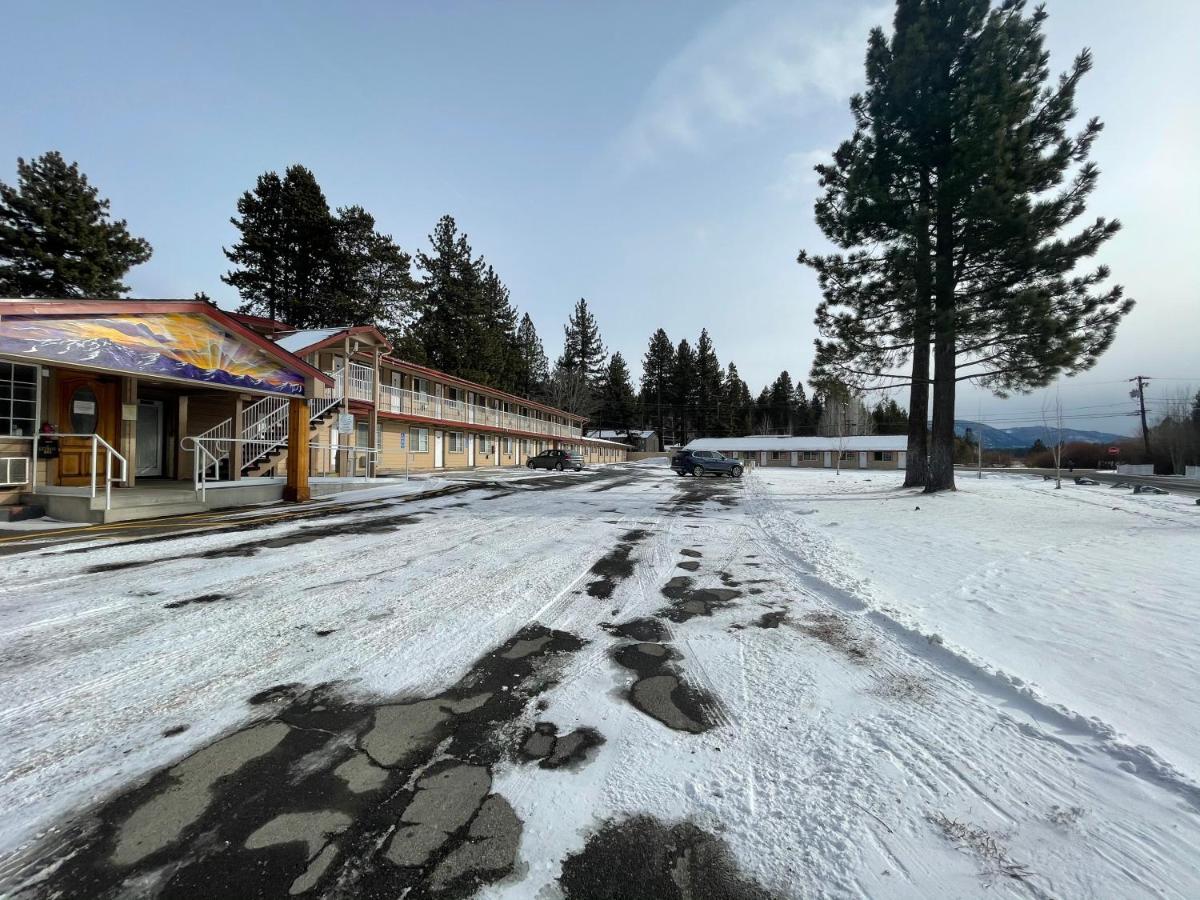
(775, 454)
(18, 399)
(508, 444)
(418, 440)
(485, 443)
(419, 385)
(848, 454)
(811, 455)
(457, 442)
(883, 456)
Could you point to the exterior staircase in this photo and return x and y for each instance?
(263, 433)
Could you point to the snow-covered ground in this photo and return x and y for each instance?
(991, 695)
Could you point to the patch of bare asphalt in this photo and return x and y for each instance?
(203, 598)
(382, 800)
(616, 565)
(554, 750)
(661, 691)
(657, 861)
(646, 628)
(689, 601)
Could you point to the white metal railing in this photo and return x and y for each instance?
(7, 464)
(365, 459)
(110, 453)
(362, 383)
(221, 436)
(263, 428)
(402, 401)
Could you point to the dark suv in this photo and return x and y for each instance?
(705, 462)
(556, 459)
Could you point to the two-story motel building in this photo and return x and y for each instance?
(182, 406)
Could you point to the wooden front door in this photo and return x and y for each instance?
(86, 405)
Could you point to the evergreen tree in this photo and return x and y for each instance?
(617, 405)
(498, 358)
(708, 388)
(801, 421)
(57, 238)
(683, 392)
(287, 250)
(781, 399)
(764, 423)
(534, 369)
(658, 365)
(890, 417)
(970, 127)
(371, 278)
(583, 351)
(452, 310)
(737, 410)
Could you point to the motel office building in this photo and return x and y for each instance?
(884, 451)
(181, 400)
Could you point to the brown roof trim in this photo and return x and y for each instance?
(474, 385)
(68, 306)
(338, 336)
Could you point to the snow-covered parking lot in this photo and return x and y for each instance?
(614, 684)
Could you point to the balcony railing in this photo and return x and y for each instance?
(402, 401)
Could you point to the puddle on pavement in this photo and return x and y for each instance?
(383, 799)
(643, 858)
(616, 565)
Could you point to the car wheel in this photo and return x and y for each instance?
(530, 464)
(579, 468)
(698, 471)
(735, 472)
(558, 467)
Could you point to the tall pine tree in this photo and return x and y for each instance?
(534, 370)
(617, 405)
(658, 364)
(583, 350)
(57, 238)
(708, 388)
(963, 171)
(683, 392)
(286, 255)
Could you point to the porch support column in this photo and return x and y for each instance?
(236, 455)
(128, 444)
(373, 419)
(343, 467)
(297, 489)
(183, 459)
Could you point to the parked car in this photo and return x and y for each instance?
(556, 459)
(705, 462)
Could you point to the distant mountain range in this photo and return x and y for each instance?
(1023, 437)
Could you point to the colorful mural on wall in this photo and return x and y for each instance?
(177, 345)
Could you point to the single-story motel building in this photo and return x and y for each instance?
(884, 451)
(123, 409)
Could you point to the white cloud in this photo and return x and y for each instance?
(755, 63)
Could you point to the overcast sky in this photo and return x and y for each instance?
(654, 158)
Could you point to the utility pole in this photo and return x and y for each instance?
(1140, 394)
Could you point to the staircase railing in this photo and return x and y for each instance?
(263, 428)
(110, 453)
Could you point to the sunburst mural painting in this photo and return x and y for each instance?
(176, 345)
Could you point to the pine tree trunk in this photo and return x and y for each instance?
(941, 449)
(916, 473)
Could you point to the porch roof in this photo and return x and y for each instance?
(67, 307)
